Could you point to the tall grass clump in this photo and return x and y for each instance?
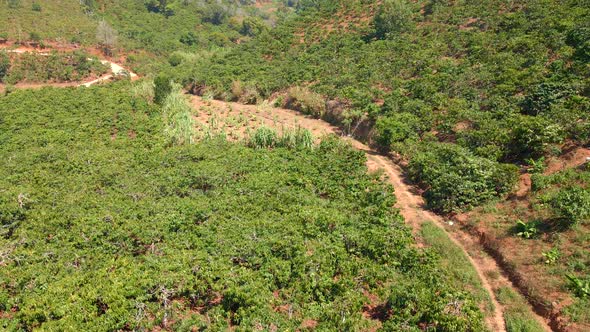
(296, 138)
(178, 119)
(265, 137)
(145, 90)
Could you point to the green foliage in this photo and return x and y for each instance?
(393, 18)
(253, 26)
(455, 179)
(178, 117)
(580, 287)
(4, 65)
(527, 230)
(505, 81)
(106, 226)
(536, 166)
(579, 38)
(551, 256)
(533, 135)
(572, 204)
(397, 128)
(162, 88)
(543, 96)
(305, 101)
(55, 67)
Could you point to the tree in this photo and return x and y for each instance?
(252, 26)
(394, 16)
(106, 36)
(159, 6)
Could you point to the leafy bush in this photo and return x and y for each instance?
(527, 230)
(455, 179)
(396, 128)
(580, 287)
(162, 88)
(4, 65)
(572, 204)
(392, 18)
(55, 67)
(543, 96)
(532, 135)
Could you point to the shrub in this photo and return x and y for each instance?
(581, 288)
(4, 65)
(455, 179)
(36, 7)
(543, 96)
(175, 59)
(162, 88)
(393, 17)
(532, 135)
(572, 204)
(395, 128)
(306, 101)
(253, 26)
(527, 230)
(580, 39)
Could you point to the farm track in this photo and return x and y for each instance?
(115, 69)
(409, 202)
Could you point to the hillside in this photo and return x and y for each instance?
(105, 226)
(472, 98)
(295, 165)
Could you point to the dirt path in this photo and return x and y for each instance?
(409, 202)
(115, 70)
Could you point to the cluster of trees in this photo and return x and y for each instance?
(106, 226)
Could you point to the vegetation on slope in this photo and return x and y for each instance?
(502, 81)
(106, 226)
(54, 67)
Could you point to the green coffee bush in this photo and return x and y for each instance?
(455, 179)
(572, 205)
